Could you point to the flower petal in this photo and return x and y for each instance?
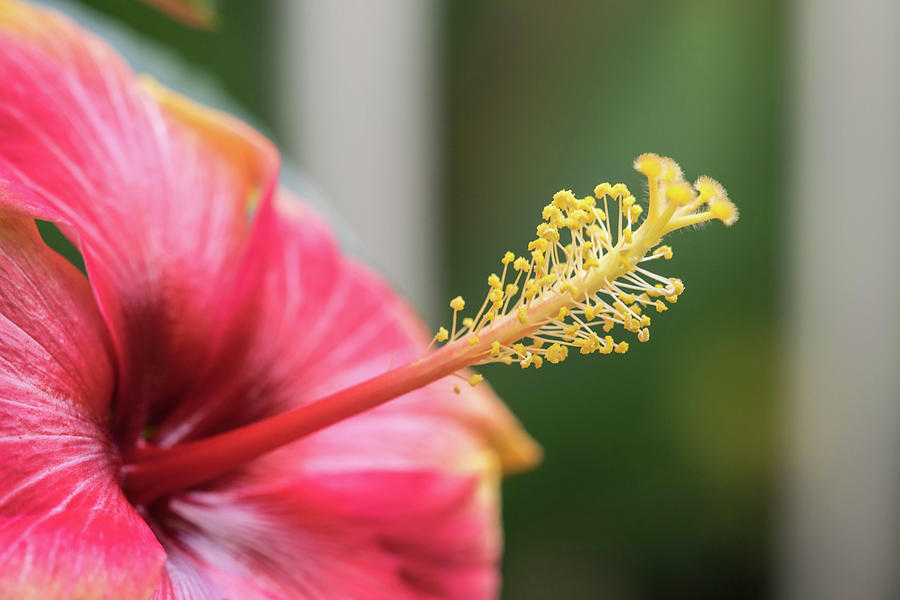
(360, 535)
(65, 527)
(157, 191)
(385, 477)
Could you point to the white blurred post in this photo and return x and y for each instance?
(841, 512)
(359, 97)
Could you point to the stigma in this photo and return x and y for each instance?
(586, 278)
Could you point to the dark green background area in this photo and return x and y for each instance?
(658, 478)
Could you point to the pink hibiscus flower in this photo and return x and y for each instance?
(211, 303)
(205, 415)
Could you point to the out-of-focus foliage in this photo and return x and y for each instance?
(658, 476)
(235, 57)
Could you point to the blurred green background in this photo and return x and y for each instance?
(658, 479)
(659, 471)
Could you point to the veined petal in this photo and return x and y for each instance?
(65, 528)
(323, 323)
(158, 191)
(362, 535)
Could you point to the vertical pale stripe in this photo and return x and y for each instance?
(358, 98)
(839, 534)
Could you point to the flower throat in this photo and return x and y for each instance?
(585, 276)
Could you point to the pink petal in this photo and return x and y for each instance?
(157, 190)
(361, 535)
(65, 527)
(411, 487)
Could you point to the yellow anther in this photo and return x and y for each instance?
(550, 213)
(644, 335)
(468, 322)
(521, 264)
(666, 252)
(522, 314)
(538, 257)
(604, 189)
(458, 303)
(508, 258)
(489, 315)
(476, 379)
(673, 298)
(495, 295)
(537, 361)
(526, 362)
(589, 313)
(519, 349)
(550, 235)
(677, 285)
(564, 199)
(539, 244)
(620, 189)
(511, 289)
(577, 219)
(621, 348)
(442, 335)
(680, 193)
(494, 281)
(556, 353)
(627, 298)
(645, 321)
(660, 307)
(626, 235)
(474, 340)
(591, 262)
(628, 201)
(571, 329)
(570, 288)
(495, 348)
(563, 313)
(635, 211)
